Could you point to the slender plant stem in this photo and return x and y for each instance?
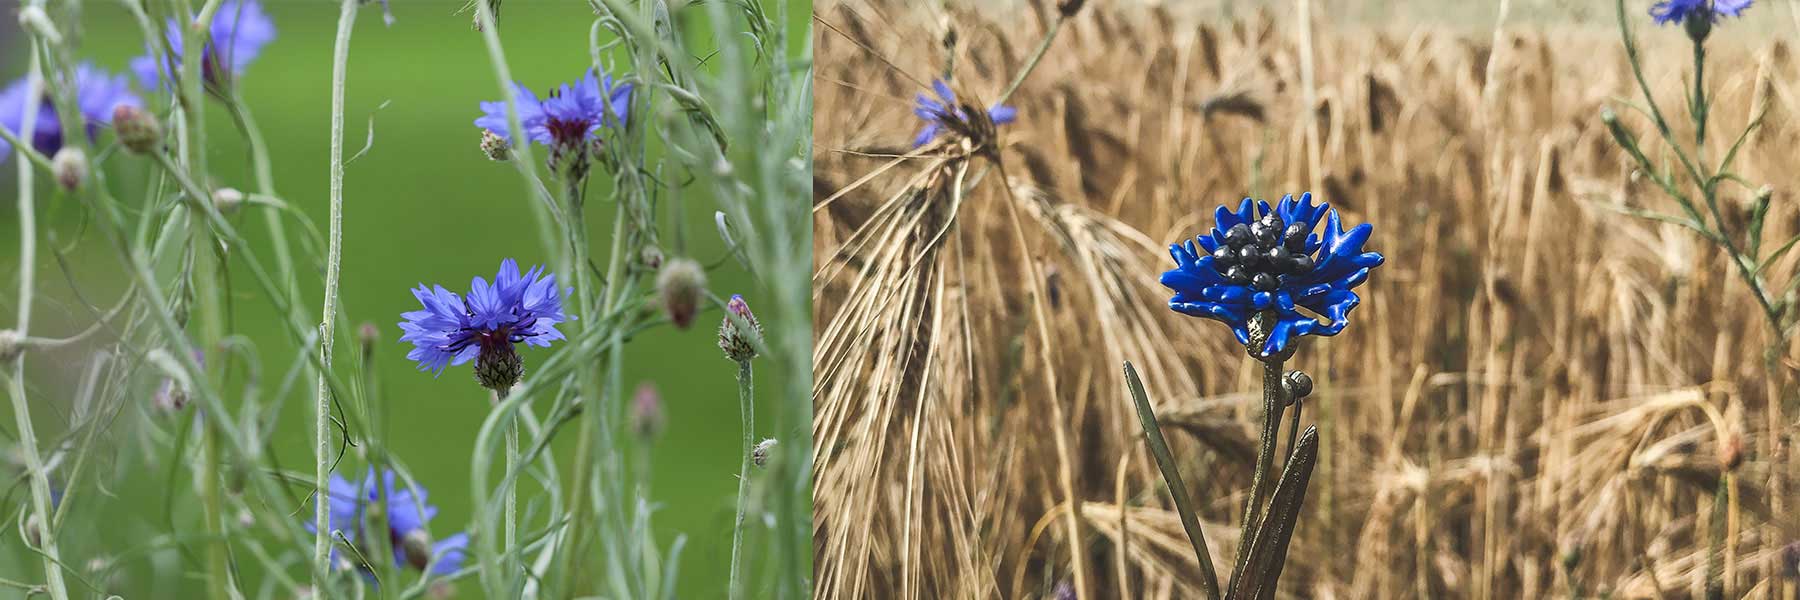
(1699, 108)
(1293, 429)
(1260, 325)
(511, 526)
(747, 408)
(34, 463)
(1165, 462)
(340, 58)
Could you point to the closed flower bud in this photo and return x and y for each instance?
(34, 531)
(71, 168)
(137, 129)
(679, 285)
(1731, 452)
(760, 455)
(416, 547)
(739, 343)
(11, 345)
(651, 257)
(32, 18)
(228, 199)
(1299, 385)
(494, 146)
(646, 411)
(368, 333)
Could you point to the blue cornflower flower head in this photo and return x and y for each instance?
(96, 94)
(238, 33)
(569, 120)
(408, 518)
(943, 112)
(1272, 263)
(484, 325)
(1705, 11)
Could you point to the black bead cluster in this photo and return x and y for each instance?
(1258, 254)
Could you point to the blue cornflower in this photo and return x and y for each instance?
(238, 33)
(935, 110)
(485, 324)
(569, 119)
(1675, 11)
(408, 516)
(96, 92)
(1273, 263)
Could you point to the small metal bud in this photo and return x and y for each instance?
(494, 146)
(760, 455)
(228, 199)
(739, 343)
(679, 285)
(71, 168)
(137, 129)
(1299, 385)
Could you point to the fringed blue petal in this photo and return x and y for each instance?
(1340, 264)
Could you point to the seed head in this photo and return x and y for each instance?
(679, 285)
(71, 168)
(1731, 452)
(739, 343)
(138, 130)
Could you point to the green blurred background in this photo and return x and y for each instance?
(423, 205)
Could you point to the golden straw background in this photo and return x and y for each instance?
(1536, 398)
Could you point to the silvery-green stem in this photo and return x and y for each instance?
(340, 56)
(511, 526)
(34, 463)
(748, 410)
(27, 253)
(1260, 325)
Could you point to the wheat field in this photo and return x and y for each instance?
(1540, 395)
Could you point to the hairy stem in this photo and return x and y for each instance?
(747, 408)
(34, 463)
(340, 58)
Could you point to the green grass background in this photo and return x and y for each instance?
(423, 205)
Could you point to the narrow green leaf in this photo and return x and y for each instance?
(1268, 551)
(1165, 461)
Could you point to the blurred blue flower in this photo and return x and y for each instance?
(935, 110)
(1675, 11)
(1261, 259)
(238, 33)
(451, 329)
(408, 516)
(568, 117)
(96, 92)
